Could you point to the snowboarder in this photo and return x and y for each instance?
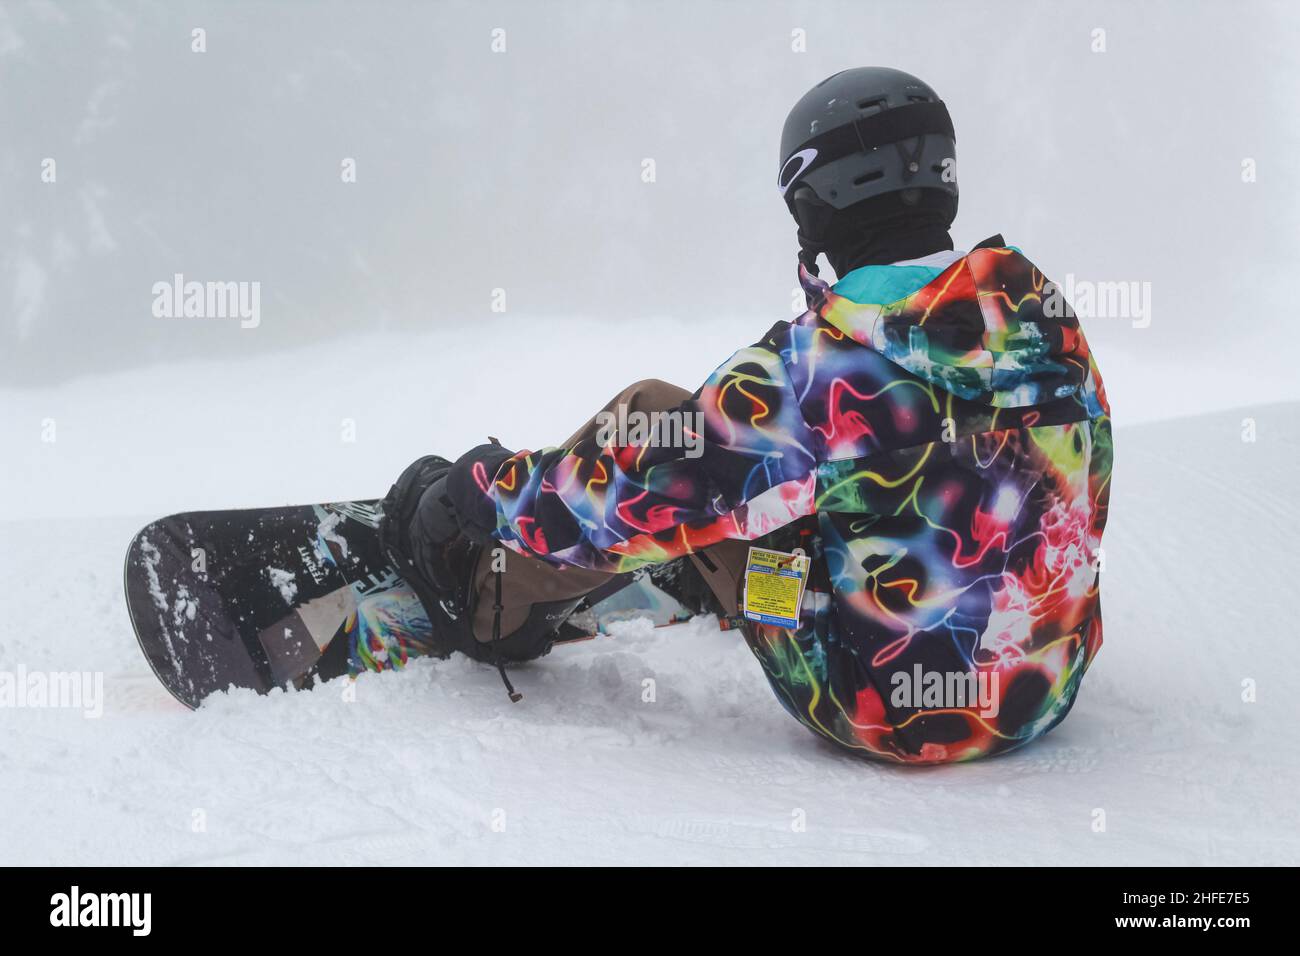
(932, 432)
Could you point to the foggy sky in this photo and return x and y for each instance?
(522, 170)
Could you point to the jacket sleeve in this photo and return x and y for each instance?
(736, 460)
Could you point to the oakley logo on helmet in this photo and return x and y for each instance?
(787, 177)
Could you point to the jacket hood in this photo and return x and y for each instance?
(958, 327)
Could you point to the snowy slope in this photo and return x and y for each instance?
(341, 419)
(1200, 568)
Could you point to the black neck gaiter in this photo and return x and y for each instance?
(886, 230)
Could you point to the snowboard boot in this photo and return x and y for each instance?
(419, 535)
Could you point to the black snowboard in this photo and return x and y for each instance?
(287, 597)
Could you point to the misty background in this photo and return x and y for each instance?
(522, 170)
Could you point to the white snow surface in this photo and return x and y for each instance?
(435, 765)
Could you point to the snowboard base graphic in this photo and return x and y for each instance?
(289, 597)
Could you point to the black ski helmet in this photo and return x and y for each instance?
(860, 134)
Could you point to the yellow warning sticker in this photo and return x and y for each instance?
(774, 583)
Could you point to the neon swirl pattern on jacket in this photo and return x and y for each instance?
(941, 438)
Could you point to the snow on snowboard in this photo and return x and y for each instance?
(284, 597)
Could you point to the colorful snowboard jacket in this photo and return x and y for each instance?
(938, 439)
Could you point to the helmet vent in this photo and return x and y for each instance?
(873, 105)
(869, 177)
